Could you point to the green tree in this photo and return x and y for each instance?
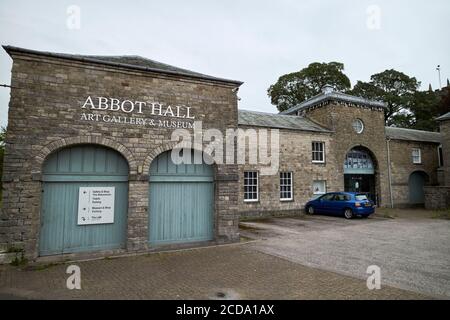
(426, 107)
(294, 88)
(396, 89)
(444, 104)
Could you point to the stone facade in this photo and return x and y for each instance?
(402, 167)
(445, 132)
(295, 157)
(437, 197)
(45, 115)
(339, 118)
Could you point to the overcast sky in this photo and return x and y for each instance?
(253, 41)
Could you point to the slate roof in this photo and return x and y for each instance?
(413, 135)
(131, 62)
(329, 95)
(444, 117)
(272, 120)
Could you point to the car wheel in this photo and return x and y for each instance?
(348, 213)
(310, 210)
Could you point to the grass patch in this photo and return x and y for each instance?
(14, 250)
(248, 228)
(42, 267)
(19, 260)
(386, 213)
(441, 214)
(245, 239)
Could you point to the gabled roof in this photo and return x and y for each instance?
(413, 135)
(444, 117)
(328, 94)
(272, 120)
(130, 62)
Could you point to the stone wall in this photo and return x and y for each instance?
(339, 118)
(295, 156)
(445, 132)
(402, 166)
(437, 197)
(45, 114)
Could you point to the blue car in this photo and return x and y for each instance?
(348, 204)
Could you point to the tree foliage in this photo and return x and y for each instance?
(294, 88)
(396, 89)
(406, 106)
(425, 108)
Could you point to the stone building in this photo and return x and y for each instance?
(391, 165)
(438, 197)
(88, 167)
(65, 133)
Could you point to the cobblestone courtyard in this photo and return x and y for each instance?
(237, 271)
(411, 247)
(308, 257)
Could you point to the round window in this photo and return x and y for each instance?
(358, 126)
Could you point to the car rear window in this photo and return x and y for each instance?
(342, 197)
(361, 197)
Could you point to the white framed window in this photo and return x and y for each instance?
(250, 186)
(319, 186)
(440, 156)
(318, 152)
(416, 156)
(286, 186)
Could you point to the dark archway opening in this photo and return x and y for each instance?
(360, 172)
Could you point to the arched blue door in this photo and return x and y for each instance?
(90, 170)
(181, 201)
(416, 183)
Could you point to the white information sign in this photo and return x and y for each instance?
(96, 205)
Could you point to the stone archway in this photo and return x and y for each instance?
(44, 152)
(360, 172)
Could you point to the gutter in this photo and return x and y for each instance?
(389, 171)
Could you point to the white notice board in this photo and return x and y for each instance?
(96, 205)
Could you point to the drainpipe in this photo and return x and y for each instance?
(389, 171)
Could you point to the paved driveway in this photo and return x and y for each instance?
(413, 253)
(223, 272)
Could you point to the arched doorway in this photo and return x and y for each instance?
(417, 180)
(84, 200)
(181, 200)
(359, 172)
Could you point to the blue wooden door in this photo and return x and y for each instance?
(181, 202)
(64, 173)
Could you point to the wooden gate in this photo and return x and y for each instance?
(181, 201)
(64, 172)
